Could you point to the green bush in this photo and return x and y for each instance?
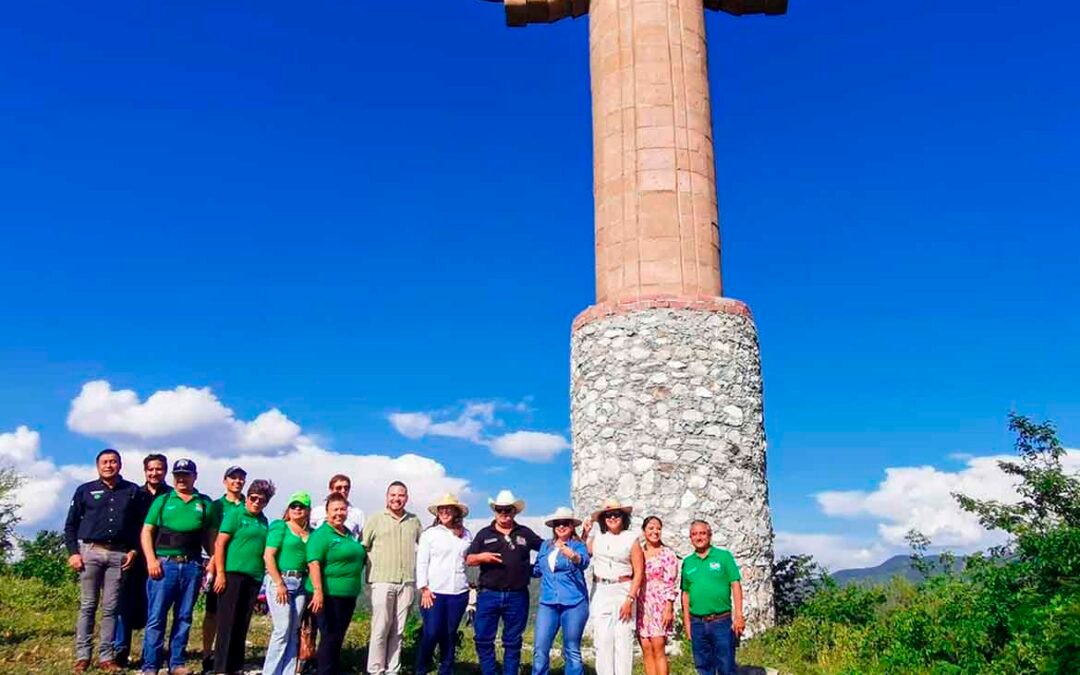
(44, 557)
(1015, 611)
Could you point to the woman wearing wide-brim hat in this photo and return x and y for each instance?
(440, 576)
(618, 566)
(564, 597)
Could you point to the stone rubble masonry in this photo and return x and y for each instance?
(666, 413)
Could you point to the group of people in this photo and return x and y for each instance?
(139, 551)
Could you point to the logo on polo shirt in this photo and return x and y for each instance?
(97, 493)
(491, 541)
(714, 565)
(520, 540)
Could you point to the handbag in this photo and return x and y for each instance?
(307, 636)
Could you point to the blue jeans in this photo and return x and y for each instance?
(284, 646)
(177, 589)
(441, 622)
(714, 646)
(513, 608)
(549, 619)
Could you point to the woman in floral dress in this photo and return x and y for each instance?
(656, 600)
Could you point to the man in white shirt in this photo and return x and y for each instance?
(354, 521)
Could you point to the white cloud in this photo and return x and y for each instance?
(530, 446)
(920, 498)
(184, 416)
(42, 493)
(474, 424)
(834, 552)
(193, 423)
(411, 425)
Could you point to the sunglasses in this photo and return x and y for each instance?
(505, 509)
(256, 499)
(297, 505)
(612, 514)
(563, 523)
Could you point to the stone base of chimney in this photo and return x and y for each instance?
(666, 410)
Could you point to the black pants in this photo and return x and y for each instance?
(233, 618)
(333, 622)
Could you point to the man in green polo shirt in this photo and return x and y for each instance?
(177, 528)
(712, 603)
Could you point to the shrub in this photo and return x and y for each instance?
(44, 557)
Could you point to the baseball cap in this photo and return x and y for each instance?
(300, 498)
(184, 466)
(234, 469)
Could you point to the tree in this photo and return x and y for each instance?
(9, 517)
(44, 557)
(795, 579)
(1049, 497)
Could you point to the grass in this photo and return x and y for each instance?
(37, 636)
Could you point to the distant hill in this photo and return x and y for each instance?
(898, 565)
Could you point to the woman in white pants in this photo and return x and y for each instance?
(618, 566)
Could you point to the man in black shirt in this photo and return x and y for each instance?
(132, 611)
(100, 535)
(503, 551)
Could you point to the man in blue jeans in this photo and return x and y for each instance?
(712, 603)
(503, 551)
(178, 526)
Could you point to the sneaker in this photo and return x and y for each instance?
(81, 666)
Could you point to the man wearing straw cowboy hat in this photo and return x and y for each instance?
(503, 551)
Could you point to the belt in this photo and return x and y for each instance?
(709, 618)
(292, 574)
(108, 546)
(620, 580)
(179, 558)
(483, 589)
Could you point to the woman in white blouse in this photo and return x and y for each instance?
(618, 566)
(440, 576)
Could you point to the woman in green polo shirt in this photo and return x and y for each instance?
(335, 579)
(286, 567)
(239, 552)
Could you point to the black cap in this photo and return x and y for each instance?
(234, 469)
(184, 466)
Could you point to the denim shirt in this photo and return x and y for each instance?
(566, 585)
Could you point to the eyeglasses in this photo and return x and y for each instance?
(505, 509)
(562, 523)
(256, 499)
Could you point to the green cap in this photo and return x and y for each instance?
(300, 498)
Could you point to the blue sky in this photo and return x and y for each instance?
(349, 209)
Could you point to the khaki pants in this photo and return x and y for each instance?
(390, 605)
